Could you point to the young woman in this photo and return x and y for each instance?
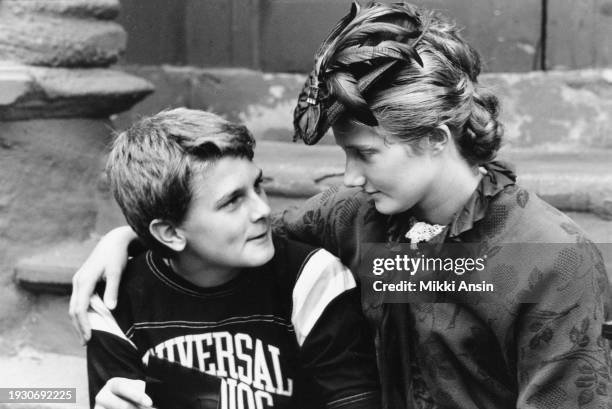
(399, 88)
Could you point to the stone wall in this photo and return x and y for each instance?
(56, 96)
(564, 110)
(73, 33)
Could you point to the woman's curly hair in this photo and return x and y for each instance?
(406, 70)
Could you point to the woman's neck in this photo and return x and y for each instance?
(201, 272)
(452, 189)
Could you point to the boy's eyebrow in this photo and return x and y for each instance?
(225, 198)
(236, 192)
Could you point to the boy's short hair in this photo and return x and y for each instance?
(152, 163)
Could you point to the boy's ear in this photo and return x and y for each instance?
(439, 139)
(168, 234)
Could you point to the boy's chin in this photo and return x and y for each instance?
(259, 255)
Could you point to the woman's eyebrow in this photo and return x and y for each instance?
(360, 147)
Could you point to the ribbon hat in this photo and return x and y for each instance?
(365, 46)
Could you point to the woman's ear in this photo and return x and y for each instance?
(439, 138)
(168, 234)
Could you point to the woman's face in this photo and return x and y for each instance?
(228, 221)
(395, 176)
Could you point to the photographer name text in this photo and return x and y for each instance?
(433, 286)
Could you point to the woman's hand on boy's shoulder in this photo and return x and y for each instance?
(106, 261)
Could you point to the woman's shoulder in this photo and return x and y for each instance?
(535, 241)
(517, 214)
(343, 198)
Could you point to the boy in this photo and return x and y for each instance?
(215, 314)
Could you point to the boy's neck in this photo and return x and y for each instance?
(201, 272)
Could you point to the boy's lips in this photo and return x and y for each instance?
(259, 236)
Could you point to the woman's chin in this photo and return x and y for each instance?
(386, 210)
(389, 207)
(385, 206)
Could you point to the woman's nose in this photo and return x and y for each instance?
(353, 176)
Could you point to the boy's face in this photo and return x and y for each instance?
(228, 221)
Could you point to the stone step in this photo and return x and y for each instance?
(51, 271)
(580, 183)
(43, 92)
(571, 181)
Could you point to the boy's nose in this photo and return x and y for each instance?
(261, 209)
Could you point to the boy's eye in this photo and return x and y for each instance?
(258, 184)
(232, 202)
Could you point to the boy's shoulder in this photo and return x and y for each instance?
(138, 272)
(293, 256)
(134, 293)
(136, 275)
(296, 263)
(291, 253)
(137, 284)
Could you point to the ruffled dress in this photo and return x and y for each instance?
(477, 351)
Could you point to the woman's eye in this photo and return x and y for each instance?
(363, 155)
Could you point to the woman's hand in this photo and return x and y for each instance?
(123, 393)
(107, 260)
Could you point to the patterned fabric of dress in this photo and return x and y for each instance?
(475, 353)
